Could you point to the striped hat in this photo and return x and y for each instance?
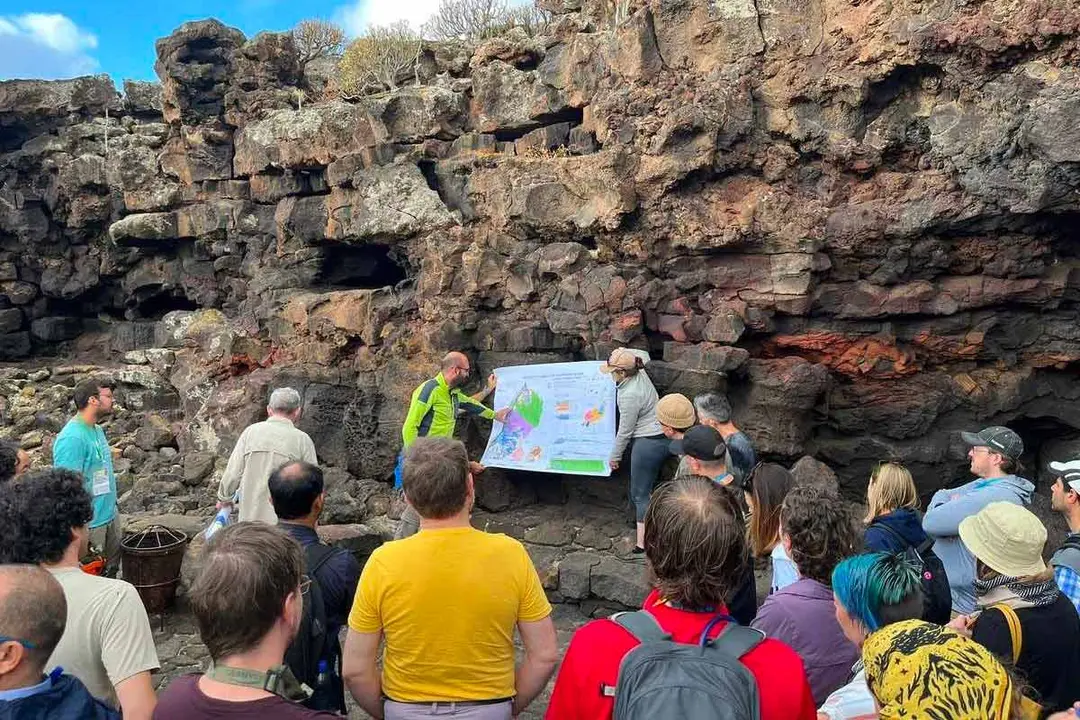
(1069, 472)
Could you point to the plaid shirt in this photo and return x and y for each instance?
(1069, 583)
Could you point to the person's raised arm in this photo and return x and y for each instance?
(136, 696)
(488, 389)
(541, 656)
(360, 671)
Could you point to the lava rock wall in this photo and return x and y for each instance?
(860, 218)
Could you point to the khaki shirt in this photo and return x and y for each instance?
(107, 638)
(262, 449)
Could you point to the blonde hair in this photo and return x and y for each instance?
(891, 487)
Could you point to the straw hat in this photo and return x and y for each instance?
(1008, 538)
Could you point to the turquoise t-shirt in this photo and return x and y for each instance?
(83, 448)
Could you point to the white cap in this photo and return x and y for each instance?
(1069, 472)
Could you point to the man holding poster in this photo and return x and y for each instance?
(433, 411)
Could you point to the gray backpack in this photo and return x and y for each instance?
(661, 678)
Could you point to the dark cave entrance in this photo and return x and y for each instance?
(158, 305)
(1045, 439)
(351, 267)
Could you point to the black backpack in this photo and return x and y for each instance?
(313, 641)
(706, 680)
(937, 596)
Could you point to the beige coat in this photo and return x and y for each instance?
(262, 449)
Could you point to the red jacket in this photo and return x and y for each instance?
(597, 649)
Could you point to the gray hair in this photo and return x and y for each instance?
(713, 406)
(285, 400)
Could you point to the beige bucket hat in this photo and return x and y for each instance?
(1008, 538)
(676, 411)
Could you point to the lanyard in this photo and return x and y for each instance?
(278, 680)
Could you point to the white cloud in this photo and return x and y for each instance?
(358, 14)
(44, 45)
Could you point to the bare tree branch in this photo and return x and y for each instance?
(317, 39)
(375, 60)
(482, 19)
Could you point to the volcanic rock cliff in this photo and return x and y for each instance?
(860, 217)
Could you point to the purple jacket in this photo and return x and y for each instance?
(802, 616)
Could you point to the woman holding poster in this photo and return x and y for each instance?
(638, 427)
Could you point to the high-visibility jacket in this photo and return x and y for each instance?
(433, 410)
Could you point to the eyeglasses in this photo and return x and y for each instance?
(748, 481)
(305, 583)
(25, 643)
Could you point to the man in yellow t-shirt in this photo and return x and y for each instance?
(447, 601)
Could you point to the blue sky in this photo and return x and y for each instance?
(64, 38)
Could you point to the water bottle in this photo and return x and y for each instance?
(322, 680)
(322, 696)
(220, 520)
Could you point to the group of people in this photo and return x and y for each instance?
(952, 613)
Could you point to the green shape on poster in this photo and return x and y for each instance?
(579, 466)
(530, 406)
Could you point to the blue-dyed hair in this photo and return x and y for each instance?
(878, 589)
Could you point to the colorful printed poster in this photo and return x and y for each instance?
(562, 419)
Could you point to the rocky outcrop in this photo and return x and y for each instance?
(858, 219)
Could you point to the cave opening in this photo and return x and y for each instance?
(160, 304)
(372, 266)
(1044, 439)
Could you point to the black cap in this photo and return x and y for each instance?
(999, 439)
(701, 442)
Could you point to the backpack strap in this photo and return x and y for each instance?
(1072, 542)
(884, 526)
(736, 640)
(316, 555)
(642, 625)
(1016, 633)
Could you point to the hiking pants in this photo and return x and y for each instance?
(647, 456)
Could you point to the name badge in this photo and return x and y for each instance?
(100, 486)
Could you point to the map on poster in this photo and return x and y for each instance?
(562, 419)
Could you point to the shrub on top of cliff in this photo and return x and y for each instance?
(317, 39)
(477, 20)
(379, 59)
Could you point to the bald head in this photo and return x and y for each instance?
(455, 368)
(32, 609)
(295, 491)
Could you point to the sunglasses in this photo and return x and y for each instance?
(25, 643)
(305, 583)
(748, 481)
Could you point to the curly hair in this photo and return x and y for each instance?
(38, 514)
(695, 541)
(9, 459)
(820, 529)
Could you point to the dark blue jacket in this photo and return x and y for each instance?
(66, 699)
(337, 577)
(905, 523)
